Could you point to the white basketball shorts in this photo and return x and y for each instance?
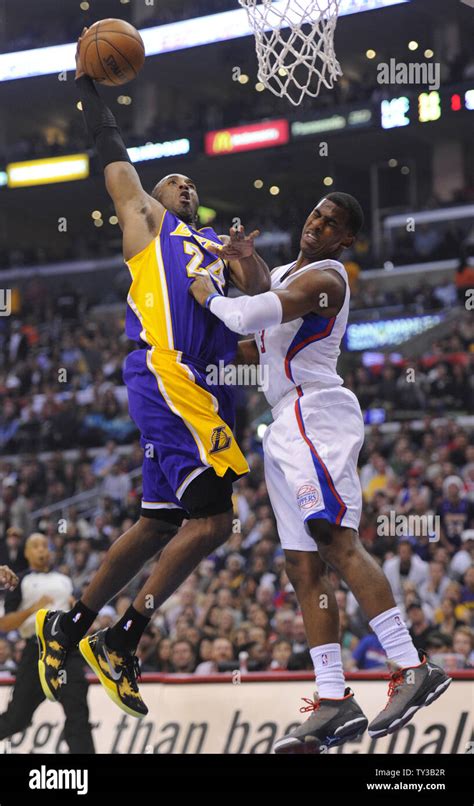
(311, 451)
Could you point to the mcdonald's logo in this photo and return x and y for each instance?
(222, 142)
(247, 138)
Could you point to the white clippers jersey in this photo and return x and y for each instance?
(304, 350)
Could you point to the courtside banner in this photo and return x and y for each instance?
(240, 717)
(247, 138)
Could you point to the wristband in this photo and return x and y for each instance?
(208, 301)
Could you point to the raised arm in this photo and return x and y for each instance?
(320, 292)
(139, 214)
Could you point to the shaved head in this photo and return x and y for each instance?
(37, 552)
(178, 194)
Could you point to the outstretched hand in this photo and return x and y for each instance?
(238, 245)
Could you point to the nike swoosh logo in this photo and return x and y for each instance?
(114, 675)
(54, 629)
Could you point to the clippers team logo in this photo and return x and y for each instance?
(308, 496)
(220, 439)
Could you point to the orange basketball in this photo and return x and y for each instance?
(112, 52)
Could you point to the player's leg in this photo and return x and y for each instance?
(308, 575)
(415, 681)
(110, 653)
(333, 435)
(341, 548)
(123, 561)
(336, 717)
(77, 728)
(189, 432)
(26, 695)
(57, 632)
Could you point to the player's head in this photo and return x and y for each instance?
(331, 227)
(37, 552)
(179, 195)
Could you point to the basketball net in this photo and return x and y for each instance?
(295, 45)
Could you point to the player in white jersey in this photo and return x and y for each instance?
(311, 452)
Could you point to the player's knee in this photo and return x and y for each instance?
(216, 530)
(155, 528)
(303, 567)
(341, 550)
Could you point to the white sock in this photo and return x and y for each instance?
(393, 634)
(327, 662)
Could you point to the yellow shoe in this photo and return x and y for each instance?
(117, 672)
(53, 649)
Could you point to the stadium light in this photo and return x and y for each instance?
(47, 171)
(212, 28)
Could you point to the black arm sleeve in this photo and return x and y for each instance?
(101, 124)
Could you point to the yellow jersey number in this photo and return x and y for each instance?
(194, 267)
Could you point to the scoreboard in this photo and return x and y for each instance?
(424, 107)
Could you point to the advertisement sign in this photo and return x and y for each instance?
(386, 332)
(235, 717)
(247, 138)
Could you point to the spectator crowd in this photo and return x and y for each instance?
(70, 439)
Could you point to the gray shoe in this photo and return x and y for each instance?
(332, 722)
(409, 689)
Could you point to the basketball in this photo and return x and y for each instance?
(112, 52)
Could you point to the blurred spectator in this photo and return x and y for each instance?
(369, 653)
(407, 566)
(463, 645)
(464, 558)
(433, 589)
(420, 628)
(222, 654)
(182, 656)
(7, 664)
(11, 550)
